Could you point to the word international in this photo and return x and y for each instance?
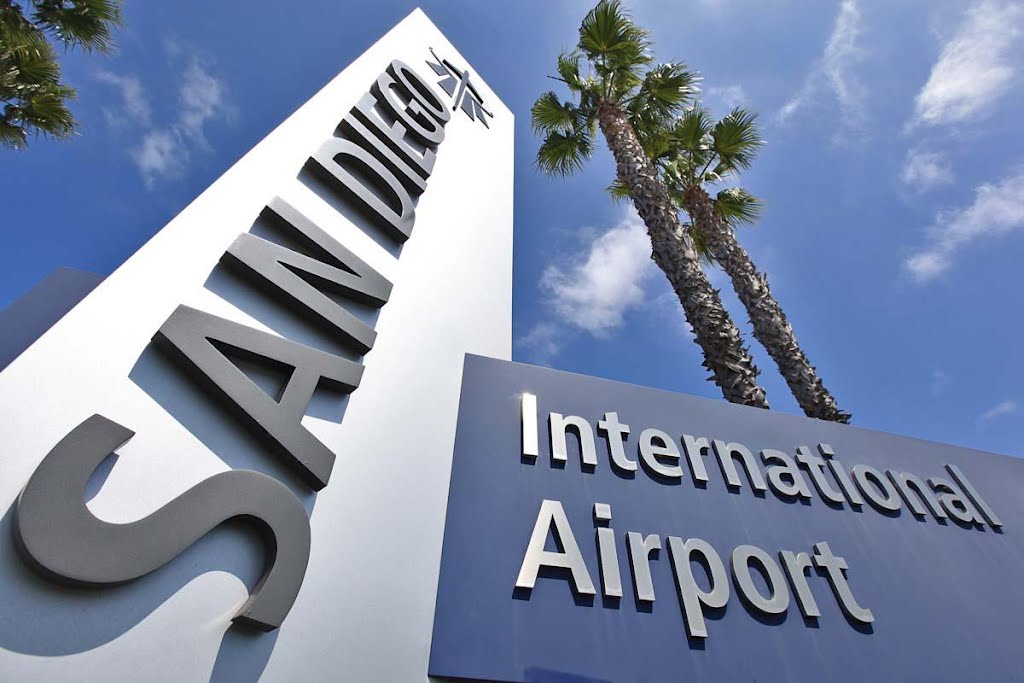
(763, 582)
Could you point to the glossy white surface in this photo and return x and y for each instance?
(366, 607)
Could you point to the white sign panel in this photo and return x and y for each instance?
(305, 318)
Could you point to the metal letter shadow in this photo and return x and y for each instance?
(190, 336)
(56, 530)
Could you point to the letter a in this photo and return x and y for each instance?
(570, 558)
(288, 274)
(190, 335)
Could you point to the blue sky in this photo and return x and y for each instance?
(893, 178)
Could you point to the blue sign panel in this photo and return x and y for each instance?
(600, 531)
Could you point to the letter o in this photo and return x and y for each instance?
(420, 90)
(778, 602)
(876, 488)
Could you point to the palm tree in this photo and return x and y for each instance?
(33, 98)
(617, 90)
(694, 153)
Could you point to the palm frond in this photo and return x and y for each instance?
(665, 89)
(569, 71)
(619, 191)
(87, 24)
(550, 114)
(736, 139)
(12, 136)
(692, 131)
(737, 206)
(565, 153)
(613, 42)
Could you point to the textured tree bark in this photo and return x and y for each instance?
(771, 327)
(725, 356)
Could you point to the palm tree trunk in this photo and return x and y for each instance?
(725, 355)
(771, 327)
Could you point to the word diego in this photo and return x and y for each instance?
(660, 457)
(683, 554)
(377, 162)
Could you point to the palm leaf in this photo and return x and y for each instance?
(737, 206)
(691, 131)
(608, 34)
(665, 89)
(565, 153)
(569, 71)
(550, 115)
(80, 23)
(619, 191)
(735, 139)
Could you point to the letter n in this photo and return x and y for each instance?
(196, 339)
(297, 278)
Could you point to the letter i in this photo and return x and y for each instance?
(528, 410)
(840, 474)
(610, 578)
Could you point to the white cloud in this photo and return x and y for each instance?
(158, 156)
(924, 170)
(975, 67)
(999, 410)
(163, 151)
(731, 96)
(593, 293)
(833, 75)
(996, 211)
(940, 380)
(542, 342)
(134, 104)
(202, 99)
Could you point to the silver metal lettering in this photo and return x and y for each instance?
(551, 513)
(914, 491)
(656, 446)
(58, 533)
(379, 194)
(836, 566)
(616, 433)
(528, 414)
(726, 454)
(816, 467)
(978, 501)
(640, 549)
(558, 424)
(876, 488)
(954, 502)
(696, 449)
(796, 566)
(189, 335)
(691, 595)
(394, 135)
(276, 269)
(608, 555)
(783, 475)
(778, 602)
(840, 474)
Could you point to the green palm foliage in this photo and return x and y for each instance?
(33, 97)
(695, 153)
(616, 88)
(611, 63)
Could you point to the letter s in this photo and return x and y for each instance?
(57, 531)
